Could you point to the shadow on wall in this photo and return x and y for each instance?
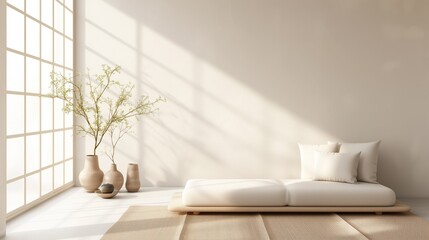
(247, 80)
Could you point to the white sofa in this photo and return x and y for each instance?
(343, 179)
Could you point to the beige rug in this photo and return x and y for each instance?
(156, 222)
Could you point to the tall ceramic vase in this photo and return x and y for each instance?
(113, 176)
(91, 176)
(133, 178)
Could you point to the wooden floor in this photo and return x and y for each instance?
(157, 223)
(76, 214)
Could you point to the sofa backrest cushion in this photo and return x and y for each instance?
(307, 157)
(367, 167)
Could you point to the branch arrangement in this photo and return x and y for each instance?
(116, 132)
(102, 114)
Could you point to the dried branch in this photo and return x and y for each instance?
(102, 114)
(116, 132)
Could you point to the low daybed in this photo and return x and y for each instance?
(336, 179)
(268, 195)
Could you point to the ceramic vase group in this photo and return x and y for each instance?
(91, 176)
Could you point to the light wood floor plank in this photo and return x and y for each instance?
(153, 222)
(305, 226)
(389, 226)
(224, 226)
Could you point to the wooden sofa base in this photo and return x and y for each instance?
(176, 205)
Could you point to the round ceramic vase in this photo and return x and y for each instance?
(113, 176)
(91, 176)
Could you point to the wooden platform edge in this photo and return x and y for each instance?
(176, 205)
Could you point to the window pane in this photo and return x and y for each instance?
(68, 174)
(15, 72)
(17, 3)
(58, 21)
(58, 175)
(59, 49)
(68, 18)
(33, 187)
(68, 144)
(47, 9)
(68, 73)
(15, 114)
(33, 75)
(15, 157)
(33, 37)
(47, 36)
(68, 120)
(59, 70)
(33, 8)
(69, 4)
(33, 153)
(46, 78)
(58, 146)
(46, 181)
(33, 114)
(46, 113)
(15, 195)
(58, 113)
(46, 149)
(15, 29)
(68, 51)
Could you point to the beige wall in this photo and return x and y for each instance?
(247, 80)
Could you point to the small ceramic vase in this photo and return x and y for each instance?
(133, 178)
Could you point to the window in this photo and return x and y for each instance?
(39, 141)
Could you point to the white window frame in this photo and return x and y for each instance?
(2, 119)
(65, 185)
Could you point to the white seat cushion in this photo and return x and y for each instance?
(234, 192)
(321, 193)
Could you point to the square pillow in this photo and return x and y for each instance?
(306, 152)
(336, 167)
(367, 168)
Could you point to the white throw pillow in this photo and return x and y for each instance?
(336, 167)
(307, 157)
(367, 168)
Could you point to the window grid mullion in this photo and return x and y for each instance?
(37, 58)
(40, 99)
(38, 132)
(53, 102)
(64, 73)
(36, 171)
(25, 102)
